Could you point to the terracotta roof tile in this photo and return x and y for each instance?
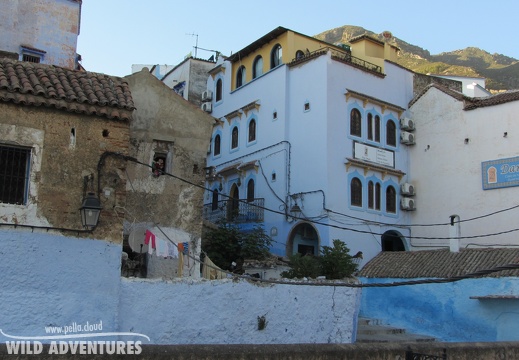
(440, 263)
(512, 95)
(69, 90)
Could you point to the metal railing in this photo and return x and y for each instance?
(343, 56)
(235, 211)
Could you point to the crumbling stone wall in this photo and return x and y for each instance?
(71, 148)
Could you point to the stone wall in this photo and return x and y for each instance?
(65, 148)
(421, 81)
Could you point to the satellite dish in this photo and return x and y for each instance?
(136, 239)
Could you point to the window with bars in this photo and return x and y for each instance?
(31, 58)
(14, 174)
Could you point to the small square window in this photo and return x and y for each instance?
(307, 106)
(273, 177)
(274, 115)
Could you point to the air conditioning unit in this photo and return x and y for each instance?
(407, 204)
(207, 107)
(207, 95)
(406, 138)
(407, 189)
(407, 124)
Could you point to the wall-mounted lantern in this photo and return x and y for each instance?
(91, 206)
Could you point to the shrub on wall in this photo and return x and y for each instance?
(228, 244)
(333, 263)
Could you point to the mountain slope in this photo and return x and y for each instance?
(501, 72)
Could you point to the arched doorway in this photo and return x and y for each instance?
(233, 206)
(303, 240)
(392, 241)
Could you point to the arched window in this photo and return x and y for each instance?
(377, 196)
(371, 195)
(370, 126)
(390, 199)
(240, 76)
(250, 190)
(214, 204)
(252, 130)
(374, 195)
(257, 69)
(276, 56)
(355, 123)
(219, 85)
(299, 54)
(377, 128)
(217, 145)
(391, 133)
(234, 138)
(356, 192)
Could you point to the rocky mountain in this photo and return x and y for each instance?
(501, 72)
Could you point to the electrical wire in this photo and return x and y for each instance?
(479, 273)
(129, 158)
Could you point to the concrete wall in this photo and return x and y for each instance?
(443, 128)
(48, 25)
(52, 280)
(446, 311)
(226, 312)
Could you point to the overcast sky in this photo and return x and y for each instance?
(118, 33)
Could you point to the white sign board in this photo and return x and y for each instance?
(374, 155)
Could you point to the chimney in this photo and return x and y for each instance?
(454, 233)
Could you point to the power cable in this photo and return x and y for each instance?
(129, 158)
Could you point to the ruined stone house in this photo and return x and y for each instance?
(168, 130)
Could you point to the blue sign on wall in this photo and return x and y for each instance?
(500, 173)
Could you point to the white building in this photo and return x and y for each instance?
(465, 165)
(188, 79)
(471, 86)
(304, 124)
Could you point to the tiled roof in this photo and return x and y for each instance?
(512, 95)
(439, 263)
(31, 84)
(471, 103)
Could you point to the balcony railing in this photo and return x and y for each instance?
(343, 56)
(237, 211)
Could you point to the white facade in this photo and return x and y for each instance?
(453, 143)
(303, 151)
(471, 86)
(188, 79)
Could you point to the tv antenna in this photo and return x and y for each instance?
(196, 45)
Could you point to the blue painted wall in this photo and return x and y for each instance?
(52, 280)
(446, 311)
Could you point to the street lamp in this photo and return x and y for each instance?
(91, 206)
(90, 210)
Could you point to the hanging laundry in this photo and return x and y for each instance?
(185, 250)
(150, 240)
(172, 250)
(162, 248)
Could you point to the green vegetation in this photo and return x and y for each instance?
(333, 263)
(228, 244)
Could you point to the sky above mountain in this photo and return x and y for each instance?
(118, 33)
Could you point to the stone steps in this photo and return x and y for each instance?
(371, 330)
